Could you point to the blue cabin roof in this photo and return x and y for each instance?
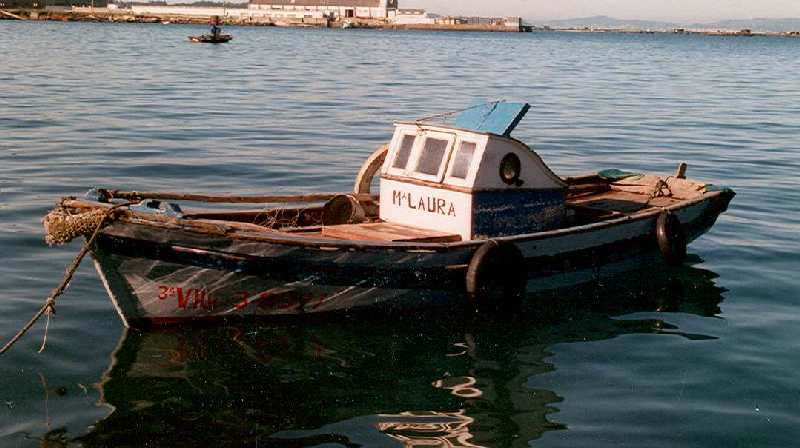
(498, 117)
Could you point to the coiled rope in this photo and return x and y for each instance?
(61, 227)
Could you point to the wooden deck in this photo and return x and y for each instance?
(384, 231)
(621, 201)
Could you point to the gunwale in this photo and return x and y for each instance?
(255, 233)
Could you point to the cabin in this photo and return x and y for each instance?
(471, 179)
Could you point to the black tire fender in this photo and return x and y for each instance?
(671, 238)
(497, 274)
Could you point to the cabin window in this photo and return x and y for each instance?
(401, 159)
(430, 159)
(462, 160)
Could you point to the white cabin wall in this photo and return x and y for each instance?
(534, 172)
(426, 207)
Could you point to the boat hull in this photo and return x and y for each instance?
(161, 276)
(208, 39)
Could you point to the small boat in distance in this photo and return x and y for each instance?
(215, 36)
(465, 213)
(210, 39)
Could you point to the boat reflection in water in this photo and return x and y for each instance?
(438, 380)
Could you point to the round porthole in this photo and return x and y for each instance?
(510, 168)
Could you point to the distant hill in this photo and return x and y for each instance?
(605, 22)
(775, 25)
(758, 24)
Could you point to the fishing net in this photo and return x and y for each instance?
(61, 226)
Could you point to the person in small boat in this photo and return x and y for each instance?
(215, 30)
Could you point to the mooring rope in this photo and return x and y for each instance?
(658, 190)
(49, 306)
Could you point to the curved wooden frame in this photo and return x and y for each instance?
(368, 170)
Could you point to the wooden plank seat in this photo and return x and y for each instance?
(385, 231)
(614, 201)
(613, 204)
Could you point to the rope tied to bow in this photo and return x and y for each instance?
(62, 227)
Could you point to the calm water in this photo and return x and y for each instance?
(704, 355)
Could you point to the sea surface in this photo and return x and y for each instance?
(705, 355)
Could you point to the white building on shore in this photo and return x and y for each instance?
(189, 11)
(413, 17)
(322, 12)
(333, 9)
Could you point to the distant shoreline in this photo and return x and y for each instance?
(679, 31)
(127, 16)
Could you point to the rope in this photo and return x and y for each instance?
(658, 190)
(46, 328)
(451, 113)
(49, 306)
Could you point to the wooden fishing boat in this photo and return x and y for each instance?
(211, 39)
(465, 213)
(215, 36)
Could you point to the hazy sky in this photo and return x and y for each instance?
(699, 10)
